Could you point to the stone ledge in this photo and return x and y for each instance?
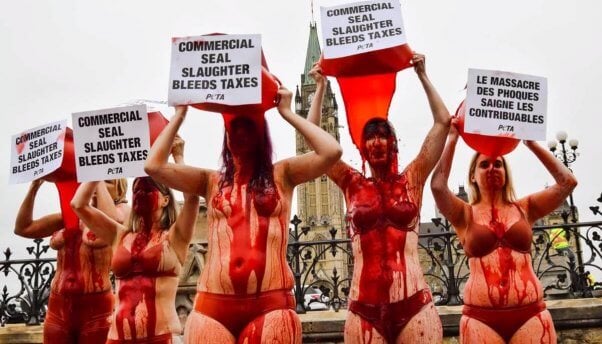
(327, 326)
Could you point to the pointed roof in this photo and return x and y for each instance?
(313, 51)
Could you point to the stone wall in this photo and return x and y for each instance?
(576, 321)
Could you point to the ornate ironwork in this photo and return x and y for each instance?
(28, 302)
(445, 264)
(441, 255)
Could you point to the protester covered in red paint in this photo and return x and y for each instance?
(244, 291)
(148, 255)
(503, 298)
(80, 300)
(390, 301)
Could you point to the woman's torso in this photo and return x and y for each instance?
(248, 237)
(146, 268)
(384, 220)
(498, 244)
(83, 262)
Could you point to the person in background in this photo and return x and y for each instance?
(80, 300)
(148, 255)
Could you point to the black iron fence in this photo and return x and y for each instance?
(563, 273)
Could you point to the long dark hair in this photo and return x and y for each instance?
(262, 176)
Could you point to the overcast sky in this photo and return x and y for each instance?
(60, 57)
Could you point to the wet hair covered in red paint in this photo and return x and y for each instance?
(379, 126)
(262, 176)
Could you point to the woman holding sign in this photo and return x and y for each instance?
(80, 300)
(390, 300)
(148, 256)
(503, 298)
(244, 291)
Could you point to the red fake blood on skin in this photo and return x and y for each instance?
(73, 281)
(546, 330)
(140, 289)
(255, 337)
(91, 236)
(97, 275)
(132, 292)
(241, 263)
(367, 330)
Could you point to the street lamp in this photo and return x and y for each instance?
(567, 156)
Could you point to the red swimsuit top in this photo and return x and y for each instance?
(480, 240)
(146, 263)
(371, 208)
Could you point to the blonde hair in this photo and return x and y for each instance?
(168, 216)
(474, 196)
(121, 188)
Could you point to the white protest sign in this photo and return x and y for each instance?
(37, 152)
(111, 143)
(361, 27)
(223, 69)
(506, 104)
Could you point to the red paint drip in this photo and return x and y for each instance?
(367, 329)
(146, 196)
(98, 277)
(366, 97)
(546, 329)
(241, 263)
(376, 208)
(71, 277)
(132, 292)
(255, 337)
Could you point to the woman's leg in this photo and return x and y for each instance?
(203, 329)
(278, 326)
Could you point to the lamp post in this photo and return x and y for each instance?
(566, 152)
(567, 156)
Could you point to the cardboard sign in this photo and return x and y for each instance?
(361, 27)
(37, 152)
(111, 143)
(223, 69)
(506, 104)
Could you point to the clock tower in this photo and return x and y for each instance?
(320, 203)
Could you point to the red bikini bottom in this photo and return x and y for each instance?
(237, 311)
(78, 318)
(390, 319)
(166, 338)
(504, 321)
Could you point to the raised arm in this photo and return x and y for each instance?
(97, 221)
(315, 109)
(339, 170)
(105, 203)
(26, 226)
(543, 202)
(187, 179)
(435, 139)
(181, 232)
(326, 151)
(453, 208)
